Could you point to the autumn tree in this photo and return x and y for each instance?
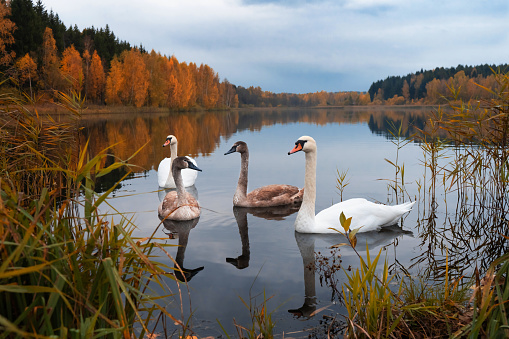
(72, 68)
(187, 83)
(134, 88)
(96, 79)
(207, 83)
(405, 91)
(182, 85)
(159, 78)
(114, 82)
(87, 58)
(6, 29)
(50, 74)
(26, 70)
(228, 96)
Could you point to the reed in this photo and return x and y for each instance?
(465, 158)
(379, 307)
(67, 270)
(466, 162)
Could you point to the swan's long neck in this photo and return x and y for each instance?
(173, 155)
(241, 192)
(306, 216)
(179, 184)
(173, 151)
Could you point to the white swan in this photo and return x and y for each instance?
(164, 176)
(265, 196)
(365, 214)
(179, 204)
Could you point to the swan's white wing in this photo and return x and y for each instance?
(189, 175)
(364, 213)
(164, 179)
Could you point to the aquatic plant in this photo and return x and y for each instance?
(379, 307)
(261, 326)
(66, 269)
(466, 160)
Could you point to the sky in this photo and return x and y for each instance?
(304, 46)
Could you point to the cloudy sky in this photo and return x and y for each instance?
(305, 46)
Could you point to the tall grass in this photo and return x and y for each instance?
(466, 157)
(380, 307)
(66, 270)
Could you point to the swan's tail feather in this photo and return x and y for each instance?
(405, 207)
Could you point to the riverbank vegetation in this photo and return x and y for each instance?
(44, 56)
(463, 290)
(66, 269)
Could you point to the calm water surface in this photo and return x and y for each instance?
(240, 253)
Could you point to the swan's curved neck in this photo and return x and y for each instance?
(173, 155)
(306, 216)
(173, 151)
(241, 192)
(179, 184)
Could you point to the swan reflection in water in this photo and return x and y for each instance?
(269, 213)
(306, 244)
(181, 230)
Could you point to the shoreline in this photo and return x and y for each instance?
(94, 110)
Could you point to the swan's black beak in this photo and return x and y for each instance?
(232, 150)
(193, 166)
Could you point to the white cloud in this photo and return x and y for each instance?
(290, 45)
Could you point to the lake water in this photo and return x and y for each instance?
(247, 253)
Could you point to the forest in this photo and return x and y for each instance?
(42, 56)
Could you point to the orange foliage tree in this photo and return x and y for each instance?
(72, 68)
(208, 86)
(158, 68)
(135, 76)
(6, 38)
(114, 82)
(50, 74)
(186, 80)
(96, 78)
(87, 58)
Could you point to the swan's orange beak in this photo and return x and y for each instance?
(167, 142)
(298, 147)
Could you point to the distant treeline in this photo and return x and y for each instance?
(416, 86)
(43, 55)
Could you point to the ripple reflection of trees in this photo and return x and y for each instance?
(199, 133)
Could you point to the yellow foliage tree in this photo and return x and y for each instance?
(26, 70)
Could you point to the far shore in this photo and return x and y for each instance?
(94, 110)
